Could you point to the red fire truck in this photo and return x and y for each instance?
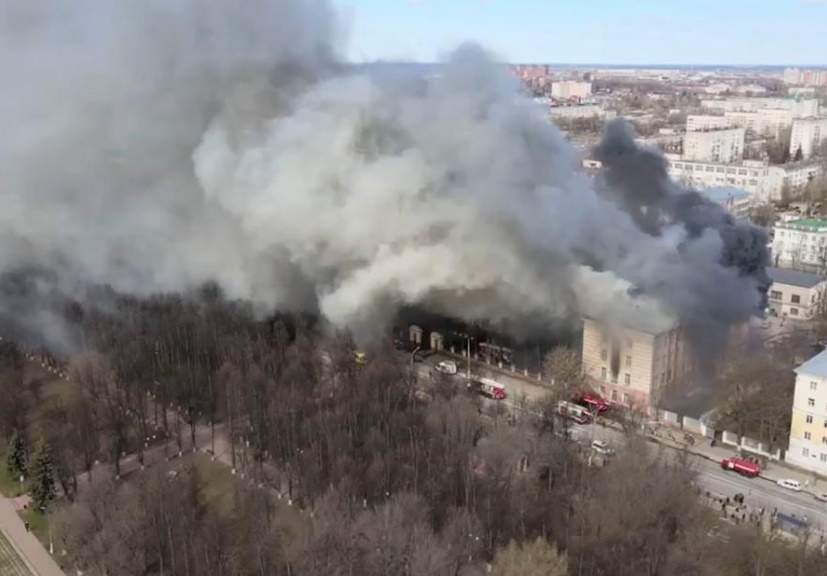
(593, 402)
(743, 467)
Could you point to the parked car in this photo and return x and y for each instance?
(821, 496)
(602, 448)
(446, 367)
(790, 484)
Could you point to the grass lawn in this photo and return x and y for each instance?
(38, 524)
(10, 563)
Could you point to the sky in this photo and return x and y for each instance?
(730, 32)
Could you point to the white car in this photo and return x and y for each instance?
(794, 485)
(447, 367)
(602, 448)
(821, 496)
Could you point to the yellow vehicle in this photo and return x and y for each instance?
(359, 357)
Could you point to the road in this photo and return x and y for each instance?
(758, 492)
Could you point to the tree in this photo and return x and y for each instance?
(17, 457)
(563, 369)
(537, 558)
(43, 476)
(763, 215)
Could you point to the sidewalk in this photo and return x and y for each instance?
(25, 543)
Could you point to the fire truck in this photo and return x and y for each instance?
(743, 467)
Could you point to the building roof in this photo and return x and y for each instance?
(815, 366)
(721, 194)
(810, 224)
(794, 277)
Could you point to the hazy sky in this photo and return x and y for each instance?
(610, 31)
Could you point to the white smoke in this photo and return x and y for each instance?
(159, 145)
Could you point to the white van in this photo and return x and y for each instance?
(789, 484)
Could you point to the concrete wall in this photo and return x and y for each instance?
(730, 438)
(669, 418)
(693, 425)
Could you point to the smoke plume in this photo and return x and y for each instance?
(157, 145)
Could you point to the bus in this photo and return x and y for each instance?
(573, 412)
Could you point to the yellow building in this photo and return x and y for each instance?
(808, 431)
(631, 365)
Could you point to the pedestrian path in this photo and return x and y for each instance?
(11, 564)
(27, 546)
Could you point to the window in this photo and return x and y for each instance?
(813, 385)
(775, 295)
(805, 451)
(811, 402)
(627, 379)
(603, 373)
(710, 168)
(604, 354)
(626, 399)
(807, 436)
(742, 172)
(809, 418)
(795, 299)
(628, 361)
(793, 311)
(614, 395)
(823, 457)
(824, 439)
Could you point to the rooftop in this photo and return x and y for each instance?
(815, 366)
(811, 224)
(794, 277)
(721, 194)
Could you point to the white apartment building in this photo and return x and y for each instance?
(800, 244)
(769, 121)
(632, 365)
(808, 429)
(700, 122)
(566, 89)
(765, 183)
(801, 108)
(585, 111)
(807, 135)
(724, 146)
(795, 294)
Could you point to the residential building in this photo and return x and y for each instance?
(808, 429)
(725, 146)
(571, 89)
(805, 77)
(701, 122)
(633, 364)
(765, 122)
(795, 294)
(766, 183)
(800, 244)
(753, 89)
(736, 201)
(807, 135)
(800, 108)
(585, 111)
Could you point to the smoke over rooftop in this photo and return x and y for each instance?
(159, 145)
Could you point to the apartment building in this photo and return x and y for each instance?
(807, 135)
(765, 122)
(800, 244)
(808, 430)
(795, 294)
(702, 122)
(724, 146)
(584, 111)
(632, 365)
(805, 77)
(764, 182)
(734, 200)
(800, 108)
(568, 89)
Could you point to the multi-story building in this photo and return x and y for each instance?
(701, 122)
(805, 77)
(585, 111)
(800, 108)
(806, 136)
(766, 183)
(808, 429)
(632, 365)
(568, 89)
(765, 122)
(795, 294)
(734, 200)
(725, 146)
(800, 244)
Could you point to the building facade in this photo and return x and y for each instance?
(800, 244)
(800, 108)
(808, 430)
(806, 136)
(571, 89)
(734, 200)
(585, 111)
(805, 77)
(764, 182)
(795, 294)
(701, 122)
(633, 366)
(765, 122)
(724, 146)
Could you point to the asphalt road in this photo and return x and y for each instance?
(758, 492)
